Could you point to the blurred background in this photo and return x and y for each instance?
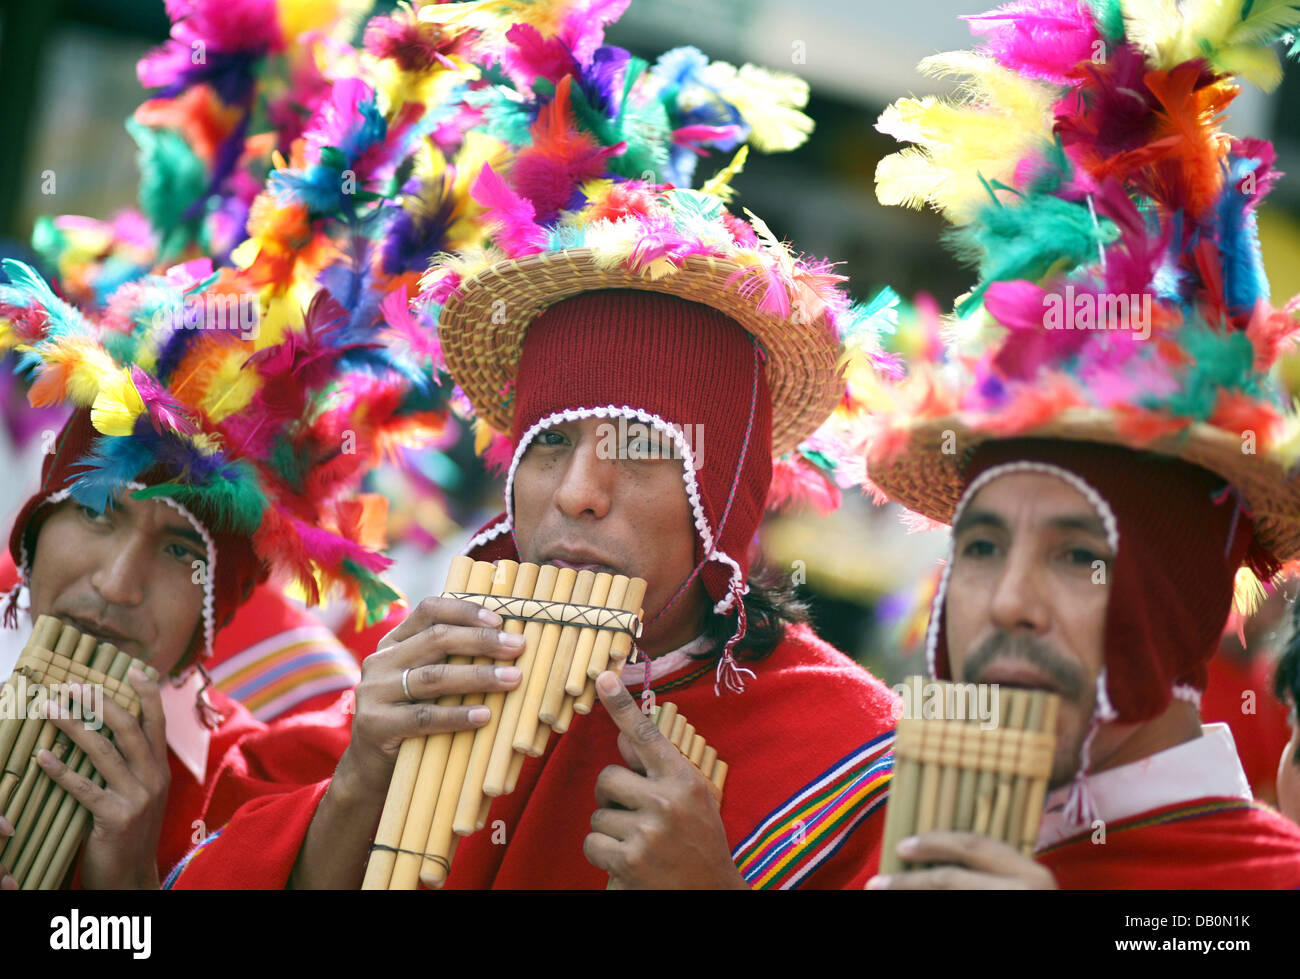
(68, 70)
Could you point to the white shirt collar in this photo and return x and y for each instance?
(187, 736)
(666, 665)
(1197, 769)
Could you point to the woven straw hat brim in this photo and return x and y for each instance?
(482, 331)
(922, 477)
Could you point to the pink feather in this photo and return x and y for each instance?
(1038, 38)
(516, 230)
(797, 485)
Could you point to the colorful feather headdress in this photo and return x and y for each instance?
(260, 436)
(596, 194)
(1121, 294)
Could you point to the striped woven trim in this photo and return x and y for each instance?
(1176, 814)
(278, 673)
(806, 831)
(170, 882)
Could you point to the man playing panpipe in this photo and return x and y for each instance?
(647, 372)
(1107, 486)
(155, 518)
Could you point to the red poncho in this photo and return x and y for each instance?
(808, 744)
(1205, 844)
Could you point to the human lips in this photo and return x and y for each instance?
(579, 560)
(1019, 674)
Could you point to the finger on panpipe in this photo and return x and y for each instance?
(41, 806)
(31, 790)
(433, 765)
(500, 580)
(953, 769)
(694, 748)
(49, 824)
(401, 809)
(60, 845)
(564, 615)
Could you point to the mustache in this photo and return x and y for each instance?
(1064, 673)
(110, 616)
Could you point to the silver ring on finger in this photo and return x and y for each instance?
(405, 689)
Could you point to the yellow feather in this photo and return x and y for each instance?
(719, 185)
(996, 120)
(117, 405)
(495, 17)
(229, 387)
(342, 16)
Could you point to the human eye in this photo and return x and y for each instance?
(93, 516)
(977, 548)
(185, 553)
(550, 438)
(1085, 557)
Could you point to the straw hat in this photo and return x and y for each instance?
(483, 349)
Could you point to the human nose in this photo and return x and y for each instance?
(1019, 603)
(586, 488)
(121, 574)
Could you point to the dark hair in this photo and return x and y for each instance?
(771, 606)
(1286, 681)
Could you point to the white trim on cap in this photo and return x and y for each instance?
(702, 527)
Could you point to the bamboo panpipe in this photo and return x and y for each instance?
(442, 786)
(950, 772)
(50, 825)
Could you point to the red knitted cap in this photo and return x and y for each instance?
(235, 568)
(669, 363)
(1182, 535)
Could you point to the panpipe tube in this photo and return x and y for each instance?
(483, 578)
(621, 644)
(1007, 755)
(553, 693)
(417, 816)
(599, 660)
(502, 757)
(576, 682)
(43, 637)
(526, 732)
(949, 751)
(522, 585)
(929, 798)
(1020, 788)
(1038, 787)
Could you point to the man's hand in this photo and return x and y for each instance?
(436, 629)
(333, 854)
(974, 863)
(657, 826)
(127, 811)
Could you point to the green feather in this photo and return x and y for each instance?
(1027, 240)
(225, 505)
(172, 178)
(1219, 361)
(375, 593)
(1109, 16)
